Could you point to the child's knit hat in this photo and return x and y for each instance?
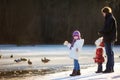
(76, 33)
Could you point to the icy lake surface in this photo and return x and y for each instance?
(47, 49)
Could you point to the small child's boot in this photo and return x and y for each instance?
(99, 68)
(78, 72)
(74, 73)
(98, 72)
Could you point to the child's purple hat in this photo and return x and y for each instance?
(76, 33)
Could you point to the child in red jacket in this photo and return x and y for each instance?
(99, 59)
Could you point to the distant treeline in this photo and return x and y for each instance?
(52, 21)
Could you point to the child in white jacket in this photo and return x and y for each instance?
(75, 48)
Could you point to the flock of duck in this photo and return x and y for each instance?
(44, 60)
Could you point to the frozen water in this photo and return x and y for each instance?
(47, 49)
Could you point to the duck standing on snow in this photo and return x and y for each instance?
(0, 56)
(11, 56)
(17, 60)
(45, 60)
(23, 59)
(29, 62)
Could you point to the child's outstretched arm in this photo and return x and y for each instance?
(67, 44)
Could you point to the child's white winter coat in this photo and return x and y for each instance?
(77, 45)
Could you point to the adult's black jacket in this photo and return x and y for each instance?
(109, 31)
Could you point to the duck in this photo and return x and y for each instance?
(17, 60)
(11, 56)
(45, 60)
(29, 62)
(23, 59)
(0, 56)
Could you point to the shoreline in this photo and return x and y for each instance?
(39, 72)
(61, 73)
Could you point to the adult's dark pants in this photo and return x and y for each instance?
(110, 56)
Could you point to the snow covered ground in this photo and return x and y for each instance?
(58, 68)
(87, 74)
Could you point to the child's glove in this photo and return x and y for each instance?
(95, 59)
(66, 43)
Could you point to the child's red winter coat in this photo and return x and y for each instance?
(99, 56)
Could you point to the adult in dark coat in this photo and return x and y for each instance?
(109, 33)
